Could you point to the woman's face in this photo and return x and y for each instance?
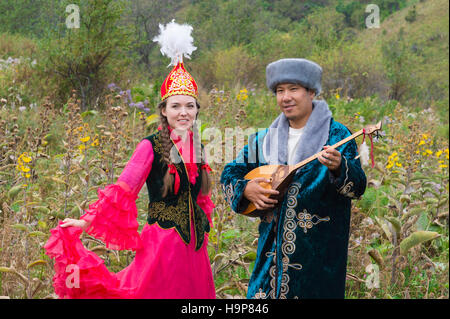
(181, 111)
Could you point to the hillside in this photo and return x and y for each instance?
(402, 60)
(423, 45)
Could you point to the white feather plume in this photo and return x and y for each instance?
(175, 41)
(364, 154)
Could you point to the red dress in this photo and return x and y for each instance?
(164, 266)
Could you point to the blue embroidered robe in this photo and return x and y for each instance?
(303, 244)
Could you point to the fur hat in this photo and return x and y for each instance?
(301, 71)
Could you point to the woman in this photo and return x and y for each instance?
(171, 258)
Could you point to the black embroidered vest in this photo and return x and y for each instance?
(173, 211)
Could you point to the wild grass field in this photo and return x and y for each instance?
(57, 150)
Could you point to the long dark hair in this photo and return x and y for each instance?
(167, 143)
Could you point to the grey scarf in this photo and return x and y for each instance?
(314, 136)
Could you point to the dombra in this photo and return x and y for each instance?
(280, 176)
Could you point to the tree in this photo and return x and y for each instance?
(412, 15)
(80, 57)
(399, 65)
(295, 10)
(146, 15)
(21, 16)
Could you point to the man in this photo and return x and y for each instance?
(303, 243)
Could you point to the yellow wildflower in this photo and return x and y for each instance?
(421, 142)
(26, 158)
(21, 164)
(425, 136)
(337, 97)
(85, 139)
(95, 142)
(428, 152)
(389, 165)
(242, 96)
(438, 153)
(398, 164)
(442, 165)
(25, 169)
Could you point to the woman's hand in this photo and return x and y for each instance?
(258, 194)
(68, 222)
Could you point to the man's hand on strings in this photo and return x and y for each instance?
(258, 195)
(332, 159)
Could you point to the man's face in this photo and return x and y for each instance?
(295, 102)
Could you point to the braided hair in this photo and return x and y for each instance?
(168, 156)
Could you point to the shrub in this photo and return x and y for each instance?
(83, 59)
